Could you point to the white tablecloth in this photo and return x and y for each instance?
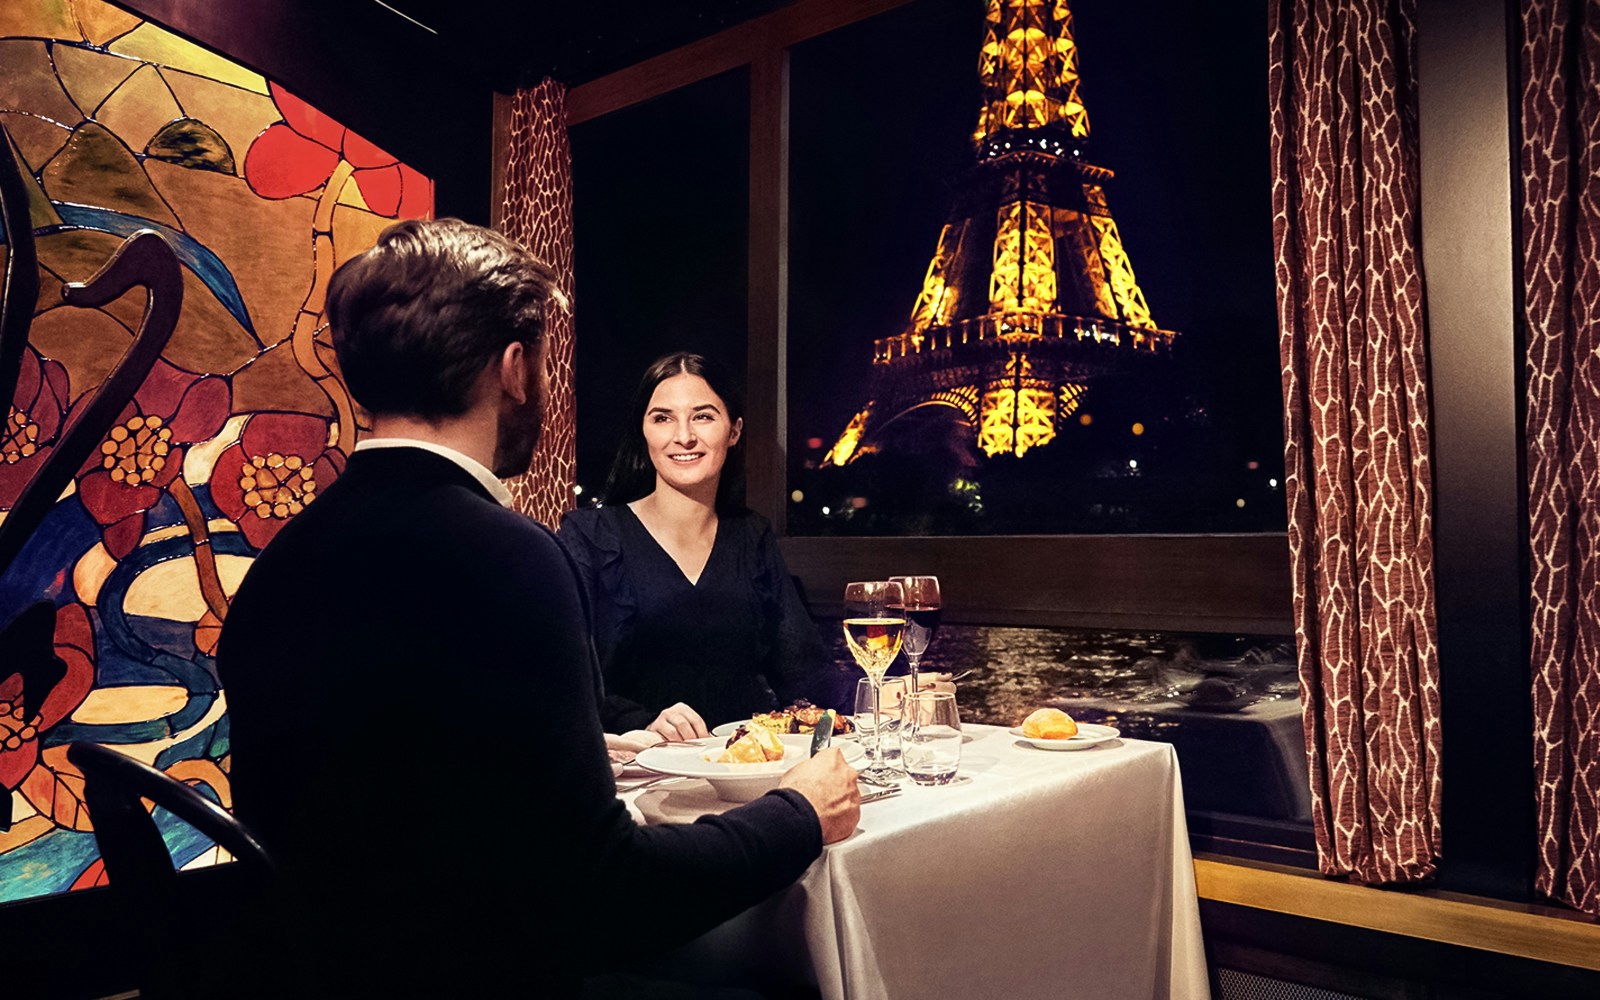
(1037, 874)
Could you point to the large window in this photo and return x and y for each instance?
(1126, 569)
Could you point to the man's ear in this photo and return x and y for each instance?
(736, 433)
(514, 362)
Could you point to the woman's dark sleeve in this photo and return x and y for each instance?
(617, 714)
(799, 665)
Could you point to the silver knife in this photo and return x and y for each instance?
(882, 793)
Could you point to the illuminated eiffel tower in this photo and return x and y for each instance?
(1030, 295)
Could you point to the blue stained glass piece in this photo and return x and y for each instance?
(206, 265)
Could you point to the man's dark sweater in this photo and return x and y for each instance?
(415, 736)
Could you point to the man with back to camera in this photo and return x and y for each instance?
(413, 695)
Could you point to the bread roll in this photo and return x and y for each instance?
(1049, 724)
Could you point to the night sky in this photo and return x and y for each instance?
(881, 117)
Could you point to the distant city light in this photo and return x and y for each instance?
(1133, 463)
(1272, 483)
(1252, 465)
(813, 443)
(1239, 502)
(1138, 429)
(1086, 419)
(797, 496)
(858, 502)
(826, 511)
(577, 490)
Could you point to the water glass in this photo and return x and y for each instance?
(930, 737)
(879, 715)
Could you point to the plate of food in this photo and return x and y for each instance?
(740, 768)
(800, 717)
(1053, 729)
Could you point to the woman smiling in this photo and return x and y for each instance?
(695, 618)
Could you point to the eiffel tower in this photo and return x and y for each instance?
(1030, 295)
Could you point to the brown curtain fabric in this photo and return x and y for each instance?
(536, 211)
(1345, 193)
(1560, 166)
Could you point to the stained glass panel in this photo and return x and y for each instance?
(117, 125)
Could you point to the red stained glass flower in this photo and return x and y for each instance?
(280, 464)
(299, 154)
(19, 736)
(143, 452)
(32, 422)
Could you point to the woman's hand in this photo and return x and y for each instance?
(679, 722)
(936, 682)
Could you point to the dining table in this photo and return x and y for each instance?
(1035, 873)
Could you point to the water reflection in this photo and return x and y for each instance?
(1016, 670)
(1228, 704)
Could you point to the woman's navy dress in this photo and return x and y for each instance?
(737, 641)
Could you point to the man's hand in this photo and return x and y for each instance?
(679, 722)
(627, 746)
(829, 784)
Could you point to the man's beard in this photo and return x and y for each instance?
(516, 436)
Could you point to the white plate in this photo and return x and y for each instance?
(1089, 735)
(733, 782)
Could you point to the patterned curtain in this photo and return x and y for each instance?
(536, 211)
(1560, 85)
(1345, 193)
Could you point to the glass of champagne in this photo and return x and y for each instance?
(921, 612)
(874, 635)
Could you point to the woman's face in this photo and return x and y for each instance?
(688, 433)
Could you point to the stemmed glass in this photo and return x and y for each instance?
(921, 610)
(874, 635)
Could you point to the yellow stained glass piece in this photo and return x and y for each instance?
(170, 589)
(28, 82)
(354, 231)
(111, 706)
(101, 22)
(90, 76)
(139, 108)
(40, 211)
(89, 573)
(350, 195)
(39, 19)
(37, 138)
(152, 44)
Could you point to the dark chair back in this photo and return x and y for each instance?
(139, 868)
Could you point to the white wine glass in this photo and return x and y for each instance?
(874, 635)
(921, 611)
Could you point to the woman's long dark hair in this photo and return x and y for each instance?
(632, 474)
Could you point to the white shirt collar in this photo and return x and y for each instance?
(474, 468)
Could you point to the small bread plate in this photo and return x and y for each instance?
(1089, 735)
(733, 782)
